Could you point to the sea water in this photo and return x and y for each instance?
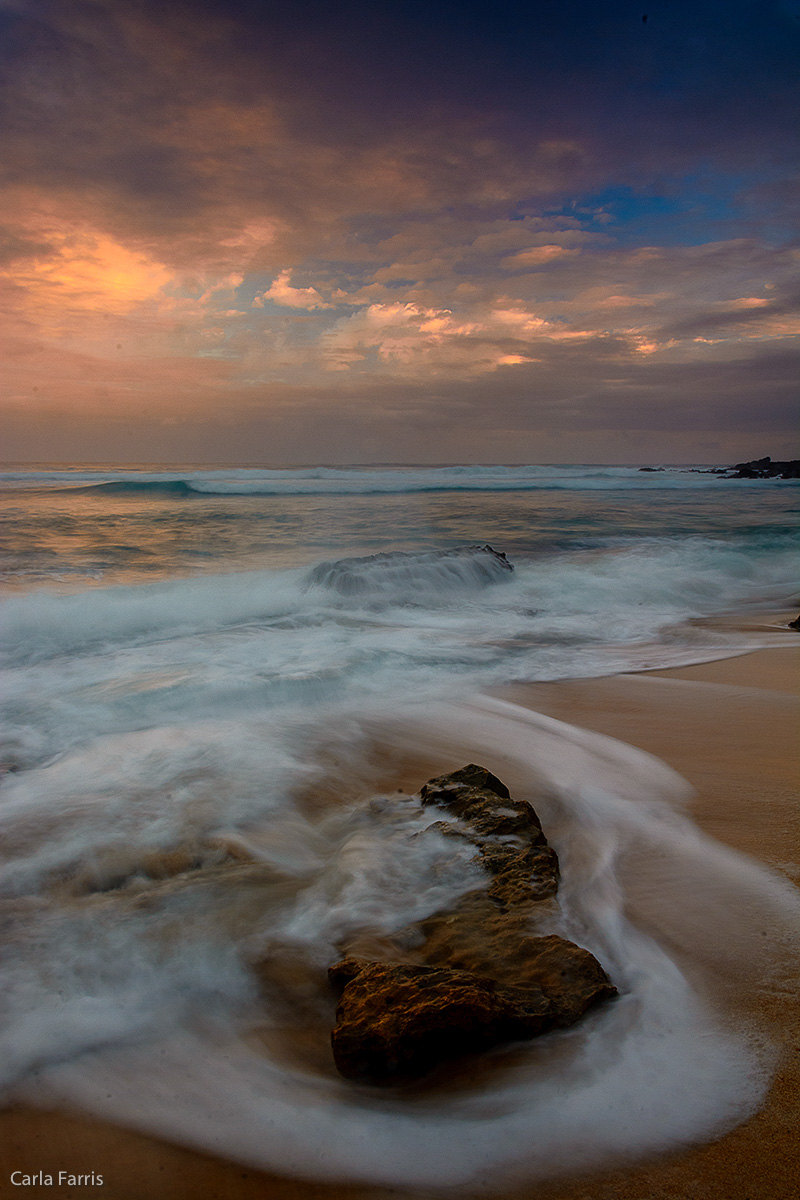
(182, 676)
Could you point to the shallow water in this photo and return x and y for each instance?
(242, 711)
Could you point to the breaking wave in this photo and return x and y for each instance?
(136, 487)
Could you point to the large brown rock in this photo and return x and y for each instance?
(396, 1021)
(481, 976)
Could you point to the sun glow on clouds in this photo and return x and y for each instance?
(402, 328)
(749, 302)
(410, 339)
(92, 272)
(146, 252)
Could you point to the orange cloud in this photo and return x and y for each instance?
(408, 339)
(89, 271)
(748, 302)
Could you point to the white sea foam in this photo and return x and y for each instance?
(633, 589)
(168, 1051)
(222, 647)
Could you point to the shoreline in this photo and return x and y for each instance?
(730, 728)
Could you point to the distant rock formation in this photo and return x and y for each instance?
(481, 977)
(764, 468)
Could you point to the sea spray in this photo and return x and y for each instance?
(652, 1071)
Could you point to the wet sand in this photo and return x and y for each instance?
(731, 728)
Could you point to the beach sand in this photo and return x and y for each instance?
(731, 729)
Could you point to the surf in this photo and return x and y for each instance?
(176, 1038)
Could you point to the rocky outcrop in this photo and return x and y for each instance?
(508, 835)
(481, 977)
(756, 468)
(765, 468)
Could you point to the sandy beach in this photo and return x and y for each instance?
(731, 729)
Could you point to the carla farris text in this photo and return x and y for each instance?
(62, 1178)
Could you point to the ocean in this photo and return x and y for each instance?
(236, 669)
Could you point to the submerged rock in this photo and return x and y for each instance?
(401, 573)
(120, 866)
(482, 977)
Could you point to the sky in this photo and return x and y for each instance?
(312, 232)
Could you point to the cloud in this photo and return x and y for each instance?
(537, 256)
(281, 292)
(407, 340)
(506, 242)
(89, 271)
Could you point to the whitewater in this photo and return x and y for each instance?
(250, 672)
